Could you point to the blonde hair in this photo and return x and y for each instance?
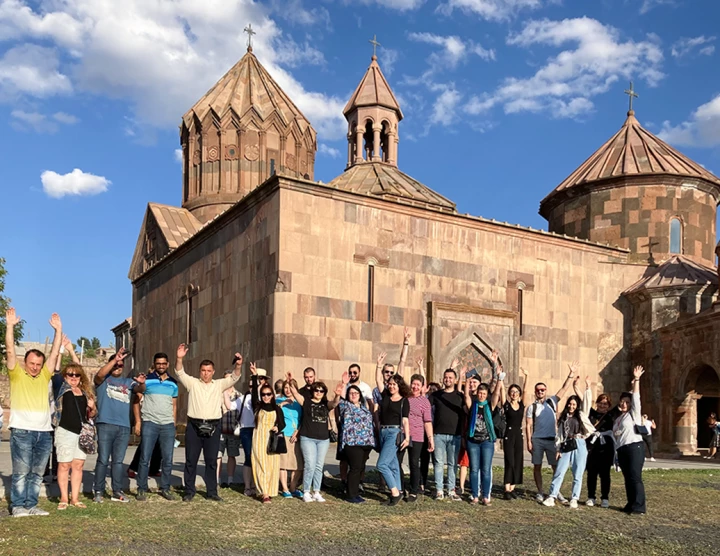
(85, 384)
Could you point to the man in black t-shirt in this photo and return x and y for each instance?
(448, 421)
(309, 376)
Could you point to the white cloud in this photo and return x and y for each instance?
(400, 5)
(33, 70)
(328, 151)
(160, 56)
(454, 50)
(76, 182)
(685, 46)
(178, 155)
(23, 120)
(701, 130)
(387, 58)
(64, 118)
(648, 5)
(445, 106)
(295, 12)
(564, 85)
(18, 20)
(493, 10)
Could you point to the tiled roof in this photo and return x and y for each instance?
(373, 90)
(176, 224)
(633, 151)
(248, 85)
(676, 272)
(387, 181)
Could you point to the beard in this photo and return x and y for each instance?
(354, 380)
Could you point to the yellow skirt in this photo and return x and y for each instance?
(266, 467)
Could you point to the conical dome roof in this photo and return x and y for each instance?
(248, 85)
(373, 90)
(632, 151)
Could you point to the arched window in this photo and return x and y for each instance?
(675, 235)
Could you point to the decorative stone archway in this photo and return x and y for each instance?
(698, 382)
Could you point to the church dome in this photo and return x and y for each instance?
(241, 132)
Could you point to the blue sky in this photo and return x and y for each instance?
(502, 100)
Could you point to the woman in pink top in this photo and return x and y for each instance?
(420, 426)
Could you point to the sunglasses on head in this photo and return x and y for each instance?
(73, 375)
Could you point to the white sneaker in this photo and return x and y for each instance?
(19, 511)
(605, 503)
(539, 497)
(652, 459)
(549, 502)
(37, 511)
(590, 502)
(574, 504)
(561, 498)
(307, 497)
(317, 497)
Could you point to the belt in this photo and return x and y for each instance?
(547, 438)
(203, 421)
(389, 426)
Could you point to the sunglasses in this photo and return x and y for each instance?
(73, 375)
(387, 372)
(320, 390)
(539, 389)
(353, 373)
(267, 394)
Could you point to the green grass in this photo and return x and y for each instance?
(682, 519)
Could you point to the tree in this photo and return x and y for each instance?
(4, 304)
(91, 346)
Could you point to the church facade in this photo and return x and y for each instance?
(262, 259)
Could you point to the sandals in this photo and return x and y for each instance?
(62, 506)
(266, 500)
(79, 505)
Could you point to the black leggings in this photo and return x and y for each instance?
(649, 443)
(631, 458)
(599, 463)
(414, 455)
(424, 464)
(356, 458)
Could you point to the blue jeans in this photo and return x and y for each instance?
(112, 442)
(480, 455)
(575, 460)
(152, 433)
(387, 462)
(314, 452)
(246, 434)
(29, 451)
(447, 450)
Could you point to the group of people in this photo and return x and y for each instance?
(285, 430)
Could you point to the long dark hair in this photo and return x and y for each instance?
(564, 415)
(363, 403)
(267, 406)
(403, 388)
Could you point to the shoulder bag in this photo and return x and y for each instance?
(276, 443)
(499, 422)
(231, 419)
(569, 444)
(88, 435)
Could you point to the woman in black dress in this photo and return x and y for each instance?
(514, 409)
(601, 451)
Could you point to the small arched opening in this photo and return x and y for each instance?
(701, 396)
(368, 140)
(675, 236)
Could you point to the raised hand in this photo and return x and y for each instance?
(66, 343)
(253, 369)
(500, 373)
(638, 372)
(340, 388)
(345, 378)
(239, 361)
(494, 356)
(288, 375)
(381, 358)
(523, 372)
(55, 322)
(182, 351)
(574, 368)
(11, 318)
(455, 363)
(419, 362)
(120, 355)
(576, 380)
(406, 335)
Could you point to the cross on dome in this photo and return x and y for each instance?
(631, 94)
(250, 33)
(375, 44)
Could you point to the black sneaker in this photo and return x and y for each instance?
(188, 498)
(395, 500)
(508, 495)
(141, 495)
(214, 498)
(167, 495)
(412, 498)
(224, 485)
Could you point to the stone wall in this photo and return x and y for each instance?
(232, 265)
(453, 280)
(634, 216)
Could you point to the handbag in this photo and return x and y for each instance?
(641, 429)
(332, 435)
(500, 423)
(276, 443)
(568, 446)
(400, 438)
(88, 435)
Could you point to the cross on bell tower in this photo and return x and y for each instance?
(250, 33)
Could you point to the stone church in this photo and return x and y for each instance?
(261, 258)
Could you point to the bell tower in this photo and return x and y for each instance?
(373, 114)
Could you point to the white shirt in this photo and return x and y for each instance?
(247, 419)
